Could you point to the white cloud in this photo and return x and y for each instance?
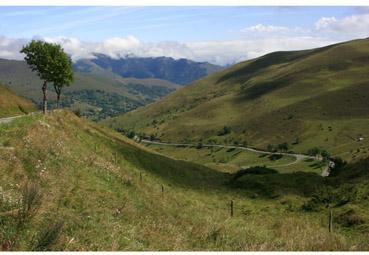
(357, 25)
(114, 46)
(261, 28)
(261, 39)
(217, 52)
(325, 22)
(10, 47)
(73, 46)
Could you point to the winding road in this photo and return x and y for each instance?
(298, 156)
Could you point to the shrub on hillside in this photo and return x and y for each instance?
(48, 235)
(31, 200)
(349, 218)
(283, 146)
(224, 131)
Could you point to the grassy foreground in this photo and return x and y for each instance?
(68, 184)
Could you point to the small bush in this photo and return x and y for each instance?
(48, 235)
(31, 200)
(226, 130)
(270, 148)
(257, 170)
(274, 157)
(283, 146)
(349, 219)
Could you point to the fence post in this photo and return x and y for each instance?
(331, 221)
(231, 208)
(162, 188)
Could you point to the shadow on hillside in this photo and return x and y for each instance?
(268, 183)
(261, 182)
(264, 182)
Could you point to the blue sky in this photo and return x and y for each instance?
(155, 23)
(221, 35)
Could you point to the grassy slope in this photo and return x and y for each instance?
(89, 176)
(11, 104)
(320, 96)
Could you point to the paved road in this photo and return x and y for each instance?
(10, 119)
(299, 157)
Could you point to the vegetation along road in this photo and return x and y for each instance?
(298, 156)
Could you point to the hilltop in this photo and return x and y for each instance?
(308, 98)
(69, 184)
(11, 104)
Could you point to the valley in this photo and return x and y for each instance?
(238, 160)
(305, 99)
(230, 158)
(104, 185)
(99, 91)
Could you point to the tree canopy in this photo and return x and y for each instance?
(51, 63)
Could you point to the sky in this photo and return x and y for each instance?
(220, 35)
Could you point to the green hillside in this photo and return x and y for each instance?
(307, 98)
(11, 104)
(95, 88)
(68, 184)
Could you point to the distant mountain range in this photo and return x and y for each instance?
(181, 71)
(106, 87)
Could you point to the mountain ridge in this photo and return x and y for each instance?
(181, 71)
(284, 96)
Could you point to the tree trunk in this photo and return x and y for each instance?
(57, 101)
(58, 90)
(44, 88)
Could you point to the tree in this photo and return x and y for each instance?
(283, 146)
(270, 147)
(131, 134)
(314, 151)
(64, 72)
(325, 154)
(51, 64)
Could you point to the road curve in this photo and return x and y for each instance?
(298, 156)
